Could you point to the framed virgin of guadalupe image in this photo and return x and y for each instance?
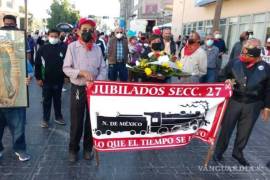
(13, 89)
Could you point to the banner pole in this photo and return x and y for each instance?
(97, 157)
(209, 155)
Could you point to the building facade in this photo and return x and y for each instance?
(237, 16)
(155, 12)
(9, 7)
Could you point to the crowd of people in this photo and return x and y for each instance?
(86, 55)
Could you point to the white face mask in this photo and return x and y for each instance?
(218, 36)
(119, 35)
(53, 40)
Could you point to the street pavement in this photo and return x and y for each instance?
(49, 150)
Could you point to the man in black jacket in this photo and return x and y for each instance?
(168, 44)
(50, 76)
(250, 78)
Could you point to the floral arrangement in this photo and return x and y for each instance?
(159, 65)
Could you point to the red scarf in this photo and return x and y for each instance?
(190, 49)
(249, 61)
(88, 45)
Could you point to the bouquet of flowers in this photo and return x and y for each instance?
(159, 65)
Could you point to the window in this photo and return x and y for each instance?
(233, 20)
(245, 19)
(244, 27)
(185, 29)
(189, 29)
(268, 17)
(259, 26)
(232, 36)
(200, 26)
(259, 30)
(259, 18)
(136, 2)
(223, 21)
(9, 3)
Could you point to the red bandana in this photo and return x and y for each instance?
(88, 45)
(249, 61)
(190, 49)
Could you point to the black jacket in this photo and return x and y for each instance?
(252, 84)
(236, 51)
(52, 56)
(172, 46)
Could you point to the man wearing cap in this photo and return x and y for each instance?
(83, 63)
(118, 56)
(266, 51)
(250, 78)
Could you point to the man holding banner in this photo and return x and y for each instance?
(250, 77)
(83, 63)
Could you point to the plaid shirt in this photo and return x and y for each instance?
(119, 51)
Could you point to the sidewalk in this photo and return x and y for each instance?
(49, 150)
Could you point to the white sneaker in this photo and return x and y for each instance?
(23, 156)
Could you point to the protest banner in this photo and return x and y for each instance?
(145, 116)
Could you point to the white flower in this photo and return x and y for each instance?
(150, 54)
(137, 63)
(163, 59)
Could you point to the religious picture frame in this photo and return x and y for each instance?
(13, 69)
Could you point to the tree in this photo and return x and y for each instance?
(217, 15)
(61, 11)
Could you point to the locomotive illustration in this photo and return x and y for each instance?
(190, 116)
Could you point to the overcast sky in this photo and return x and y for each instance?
(96, 7)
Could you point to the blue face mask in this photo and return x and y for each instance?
(209, 42)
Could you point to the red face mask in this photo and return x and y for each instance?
(249, 61)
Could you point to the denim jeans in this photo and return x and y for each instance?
(52, 92)
(118, 69)
(210, 77)
(14, 119)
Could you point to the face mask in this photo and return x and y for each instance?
(119, 35)
(218, 36)
(209, 42)
(254, 52)
(62, 38)
(191, 41)
(247, 59)
(156, 46)
(87, 36)
(53, 40)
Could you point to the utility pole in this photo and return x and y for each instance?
(217, 15)
(25, 16)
